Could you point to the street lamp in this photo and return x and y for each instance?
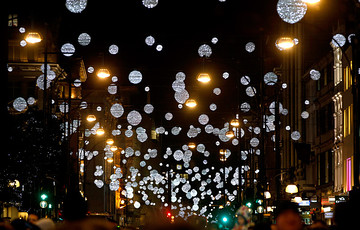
(110, 141)
(203, 78)
(230, 134)
(91, 118)
(192, 145)
(191, 103)
(284, 43)
(33, 37)
(103, 73)
(100, 131)
(291, 188)
(235, 122)
(113, 148)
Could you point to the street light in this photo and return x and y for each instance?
(103, 73)
(191, 103)
(192, 145)
(203, 78)
(284, 43)
(230, 134)
(91, 118)
(235, 122)
(113, 148)
(291, 188)
(33, 37)
(100, 131)
(110, 141)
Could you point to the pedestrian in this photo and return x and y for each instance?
(45, 224)
(243, 218)
(32, 218)
(287, 216)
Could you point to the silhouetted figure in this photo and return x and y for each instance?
(20, 224)
(287, 216)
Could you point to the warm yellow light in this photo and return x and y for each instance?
(33, 37)
(222, 152)
(230, 134)
(285, 43)
(103, 73)
(203, 77)
(267, 195)
(222, 158)
(91, 118)
(110, 160)
(113, 148)
(14, 183)
(311, 1)
(291, 188)
(235, 122)
(191, 103)
(192, 145)
(100, 131)
(110, 141)
(297, 199)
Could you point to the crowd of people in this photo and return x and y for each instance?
(286, 217)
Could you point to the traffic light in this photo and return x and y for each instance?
(43, 196)
(249, 204)
(168, 214)
(224, 219)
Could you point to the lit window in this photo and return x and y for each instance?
(13, 20)
(348, 120)
(347, 77)
(348, 174)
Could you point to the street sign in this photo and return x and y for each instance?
(43, 204)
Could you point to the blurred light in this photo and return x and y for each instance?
(113, 148)
(222, 152)
(191, 103)
(43, 196)
(230, 134)
(297, 199)
(267, 195)
(224, 219)
(203, 77)
(110, 160)
(311, 1)
(91, 118)
(33, 37)
(100, 131)
(110, 141)
(192, 145)
(103, 73)
(284, 43)
(291, 188)
(235, 122)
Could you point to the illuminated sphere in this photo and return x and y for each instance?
(250, 91)
(217, 91)
(117, 110)
(291, 11)
(149, 40)
(84, 39)
(40, 82)
(180, 76)
(76, 6)
(203, 119)
(68, 49)
(213, 107)
(245, 80)
(250, 47)
(148, 108)
(245, 107)
(315, 74)
(305, 115)
(134, 118)
(295, 135)
(254, 142)
(150, 3)
(135, 77)
(19, 104)
(338, 40)
(178, 86)
(204, 51)
(270, 78)
(182, 96)
(113, 49)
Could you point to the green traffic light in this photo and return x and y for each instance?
(248, 204)
(43, 196)
(224, 219)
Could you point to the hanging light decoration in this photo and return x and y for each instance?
(33, 37)
(103, 73)
(91, 118)
(203, 78)
(100, 131)
(235, 122)
(230, 134)
(191, 145)
(284, 43)
(191, 103)
(110, 141)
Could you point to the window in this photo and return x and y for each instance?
(348, 116)
(347, 77)
(13, 20)
(348, 174)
